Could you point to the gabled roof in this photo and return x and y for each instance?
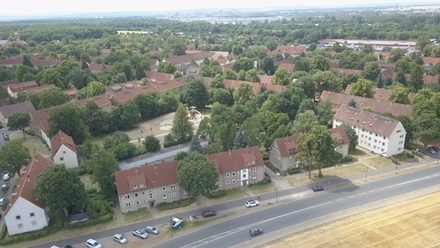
(40, 118)
(101, 100)
(379, 93)
(158, 76)
(27, 180)
(99, 67)
(17, 87)
(59, 139)
(348, 71)
(297, 50)
(265, 79)
(188, 58)
(236, 160)
(395, 109)
(366, 120)
(339, 135)
(24, 107)
(146, 177)
(41, 88)
(431, 60)
(11, 61)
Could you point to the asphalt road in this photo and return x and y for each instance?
(234, 231)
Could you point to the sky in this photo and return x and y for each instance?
(47, 7)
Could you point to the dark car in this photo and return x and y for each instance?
(317, 188)
(5, 187)
(255, 231)
(209, 213)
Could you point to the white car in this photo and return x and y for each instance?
(120, 238)
(251, 203)
(2, 200)
(6, 177)
(140, 233)
(91, 243)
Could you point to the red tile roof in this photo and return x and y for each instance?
(25, 107)
(348, 71)
(59, 139)
(396, 109)
(150, 176)
(71, 92)
(17, 87)
(428, 79)
(27, 180)
(99, 67)
(40, 118)
(379, 93)
(339, 135)
(11, 61)
(45, 62)
(293, 50)
(366, 120)
(431, 60)
(188, 58)
(334, 63)
(265, 79)
(41, 88)
(286, 65)
(236, 160)
(102, 101)
(158, 76)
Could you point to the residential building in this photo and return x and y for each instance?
(378, 45)
(24, 212)
(8, 110)
(40, 124)
(63, 150)
(376, 133)
(13, 89)
(283, 150)
(380, 94)
(239, 168)
(148, 185)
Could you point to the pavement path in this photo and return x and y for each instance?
(278, 181)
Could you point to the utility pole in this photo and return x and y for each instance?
(366, 173)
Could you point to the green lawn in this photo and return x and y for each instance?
(232, 194)
(379, 162)
(141, 214)
(89, 183)
(261, 189)
(357, 153)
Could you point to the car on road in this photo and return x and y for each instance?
(255, 231)
(120, 238)
(5, 187)
(152, 230)
(176, 222)
(317, 188)
(2, 200)
(432, 150)
(209, 213)
(5, 136)
(251, 203)
(140, 233)
(91, 243)
(6, 177)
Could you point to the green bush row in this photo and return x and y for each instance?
(92, 222)
(292, 171)
(271, 166)
(175, 204)
(217, 194)
(30, 236)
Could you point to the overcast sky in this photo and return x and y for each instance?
(37, 7)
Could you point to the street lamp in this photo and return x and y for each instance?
(366, 173)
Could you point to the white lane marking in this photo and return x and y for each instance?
(209, 239)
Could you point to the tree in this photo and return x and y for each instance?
(225, 134)
(94, 117)
(51, 97)
(239, 140)
(252, 76)
(243, 93)
(195, 94)
(416, 79)
(307, 151)
(230, 74)
(68, 119)
(396, 54)
(103, 166)
(427, 127)
(281, 77)
(352, 137)
(151, 143)
(320, 62)
(179, 49)
(27, 61)
(195, 145)
(124, 117)
(399, 94)
(167, 67)
(13, 156)
(352, 103)
(363, 87)
(147, 105)
(51, 76)
(182, 129)
(19, 121)
(371, 71)
(327, 80)
(59, 188)
(268, 65)
(422, 42)
(21, 70)
(119, 144)
(253, 129)
(304, 122)
(95, 88)
(217, 82)
(197, 175)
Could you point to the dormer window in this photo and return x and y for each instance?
(135, 186)
(141, 185)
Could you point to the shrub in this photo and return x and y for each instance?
(5, 204)
(271, 166)
(292, 171)
(29, 236)
(175, 204)
(91, 222)
(265, 155)
(217, 194)
(395, 160)
(346, 159)
(169, 141)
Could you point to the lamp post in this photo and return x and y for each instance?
(366, 173)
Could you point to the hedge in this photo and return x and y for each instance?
(217, 194)
(102, 219)
(175, 204)
(292, 171)
(30, 236)
(271, 166)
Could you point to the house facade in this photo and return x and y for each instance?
(238, 168)
(283, 150)
(148, 185)
(24, 213)
(376, 133)
(63, 150)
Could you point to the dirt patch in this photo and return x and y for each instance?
(413, 223)
(33, 143)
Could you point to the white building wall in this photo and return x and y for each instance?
(24, 216)
(66, 156)
(396, 142)
(45, 138)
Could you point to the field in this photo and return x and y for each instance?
(413, 223)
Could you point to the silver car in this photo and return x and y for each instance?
(152, 230)
(120, 238)
(140, 233)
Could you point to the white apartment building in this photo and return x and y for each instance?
(376, 133)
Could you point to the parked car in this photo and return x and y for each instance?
(140, 233)
(120, 238)
(251, 203)
(6, 177)
(317, 188)
(152, 230)
(2, 200)
(91, 243)
(255, 231)
(5, 187)
(6, 136)
(209, 213)
(176, 223)
(432, 150)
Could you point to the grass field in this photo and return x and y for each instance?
(33, 143)
(414, 223)
(379, 162)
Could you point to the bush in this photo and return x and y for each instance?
(292, 171)
(346, 159)
(395, 160)
(265, 155)
(271, 166)
(417, 153)
(175, 204)
(169, 141)
(5, 204)
(91, 222)
(30, 236)
(217, 194)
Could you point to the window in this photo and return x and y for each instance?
(219, 184)
(254, 169)
(61, 158)
(401, 136)
(233, 181)
(151, 196)
(137, 203)
(126, 196)
(228, 182)
(32, 214)
(383, 143)
(233, 173)
(398, 131)
(371, 133)
(64, 152)
(143, 192)
(18, 217)
(254, 177)
(164, 196)
(136, 194)
(173, 194)
(127, 204)
(382, 149)
(141, 185)
(34, 222)
(228, 174)
(135, 186)
(173, 186)
(164, 188)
